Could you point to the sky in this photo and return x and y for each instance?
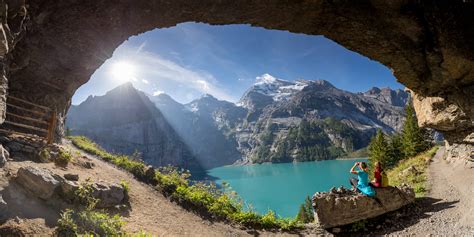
(192, 59)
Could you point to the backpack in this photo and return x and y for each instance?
(384, 179)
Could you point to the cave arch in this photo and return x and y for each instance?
(51, 48)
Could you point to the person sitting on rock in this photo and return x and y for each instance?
(361, 183)
(377, 182)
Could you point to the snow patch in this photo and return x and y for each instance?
(277, 88)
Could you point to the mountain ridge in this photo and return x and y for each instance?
(217, 132)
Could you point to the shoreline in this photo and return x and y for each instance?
(266, 163)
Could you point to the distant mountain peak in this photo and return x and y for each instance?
(323, 83)
(208, 96)
(394, 97)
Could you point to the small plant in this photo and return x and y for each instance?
(87, 220)
(66, 225)
(45, 155)
(126, 187)
(63, 158)
(359, 226)
(84, 195)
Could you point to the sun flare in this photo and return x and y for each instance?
(123, 71)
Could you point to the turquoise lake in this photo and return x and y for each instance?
(283, 187)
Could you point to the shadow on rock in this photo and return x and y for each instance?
(22, 204)
(394, 221)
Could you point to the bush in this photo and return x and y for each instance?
(96, 223)
(66, 225)
(45, 155)
(87, 220)
(63, 158)
(200, 196)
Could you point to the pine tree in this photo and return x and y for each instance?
(413, 137)
(309, 210)
(395, 151)
(305, 213)
(68, 132)
(301, 216)
(378, 149)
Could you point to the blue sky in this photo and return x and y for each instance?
(192, 59)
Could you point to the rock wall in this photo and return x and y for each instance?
(427, 44)
(13, 18)
(452, 120)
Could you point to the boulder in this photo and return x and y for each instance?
(39, 181)
(3, 208)
(410, 170)
(72, 177)
(4, 155)
(336, 209)
(109, 195)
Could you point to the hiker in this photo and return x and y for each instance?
(377, 182)
(361, 183)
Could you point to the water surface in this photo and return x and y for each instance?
(283, 187)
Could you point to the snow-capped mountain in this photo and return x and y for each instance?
(271, 87)
(275, 121)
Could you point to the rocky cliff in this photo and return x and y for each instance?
(335, 121)
(124, 121)
(50, 48)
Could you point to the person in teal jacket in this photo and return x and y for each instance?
(361, 183)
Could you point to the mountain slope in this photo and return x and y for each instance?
(124, 120)
(344, 121)
(274, 121)
(199, 123)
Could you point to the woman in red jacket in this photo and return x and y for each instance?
(377, 182)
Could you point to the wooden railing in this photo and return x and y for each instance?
(27, 118)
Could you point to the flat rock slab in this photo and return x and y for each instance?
(40, 182)
(341, 208)
(109, 194)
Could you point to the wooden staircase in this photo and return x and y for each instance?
(29, 119)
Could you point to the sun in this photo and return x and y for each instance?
(123, 71)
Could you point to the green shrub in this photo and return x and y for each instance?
(125, 185)
(84, 195)
(93, 222)
(201, 196)
(66, 225)
(359, 226)
(87, 220)
(45, 155)
(63, 158)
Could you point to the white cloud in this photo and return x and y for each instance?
(154, 69)
(157, 92)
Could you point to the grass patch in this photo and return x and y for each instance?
(412, 171)
(201, 197)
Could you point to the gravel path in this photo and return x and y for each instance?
(449, 209)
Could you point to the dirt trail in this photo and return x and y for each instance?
(451, 209)
(150, 211)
